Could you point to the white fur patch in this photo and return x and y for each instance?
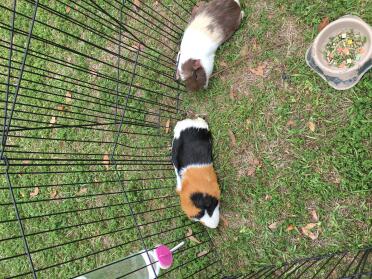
(211, 222)
(237, 1)
(179, 182)
(201, 23)
(198, 123)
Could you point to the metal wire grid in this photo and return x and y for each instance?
(345, 265)
(89, 102)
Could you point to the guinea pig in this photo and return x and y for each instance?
(197, 183)
(211, 25)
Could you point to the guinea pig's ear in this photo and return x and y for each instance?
(196, 64)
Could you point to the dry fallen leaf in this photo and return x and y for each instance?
(202, 253)
(53, 120)
(191, 237)
(291, 123)
(26, 162)
(53, 194)
(224, 221)
(254, 44)
(68, 9)
(323, 23)
(106, 161)
(244, 50)
(273, 226)
(137, 4)
(306, 230)
(259, 71)
(68, 97)
(268, 198)
(167, 126)
(61, 107)
(138, 46)
(35, 192)
(82, 191)
(311, 126)
(313, 216)
(253, 164)
(232, 138)
(232, 94)
(223, 64)
(290, 228)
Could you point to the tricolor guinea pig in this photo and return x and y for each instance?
(197, 183)
(211, 25)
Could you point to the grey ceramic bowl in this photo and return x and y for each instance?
(340, 79)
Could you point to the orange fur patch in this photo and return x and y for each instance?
(198, 179)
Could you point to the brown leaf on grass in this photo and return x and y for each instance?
(291, 228)
(53, 194)
(244, 50)
(274, 226)
(306, 230)
(251, 171)
(82, 191)
(137, 3)
(268, 198)
(223, 64)
(61, 107)
(311, 126)
(323, 23)
(26, 162)
(68, 9)
(259, 70)
(167, 126)
(106, 161)
(313, 216)
(53, 120)
(138, 46)
(232, 94)
(225, 223)
(202, 253)
(253, 164)
(254, 44)
(68, 97)
(232, 138)
(191, 237)
(35, 192)
(291, 123)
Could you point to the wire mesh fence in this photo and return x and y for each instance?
(89, 101)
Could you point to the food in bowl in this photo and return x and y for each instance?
(345, 49)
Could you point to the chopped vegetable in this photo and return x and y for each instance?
(345, 49)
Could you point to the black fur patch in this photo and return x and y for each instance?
(205, 202)
(194, 146)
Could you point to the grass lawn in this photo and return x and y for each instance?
(286, 144)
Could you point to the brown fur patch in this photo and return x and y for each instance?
(198, 179)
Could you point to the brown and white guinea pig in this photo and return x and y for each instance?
(211, 25)
(197, 183)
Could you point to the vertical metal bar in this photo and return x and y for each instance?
(7, 126)
(14, 201)
(8, 77)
